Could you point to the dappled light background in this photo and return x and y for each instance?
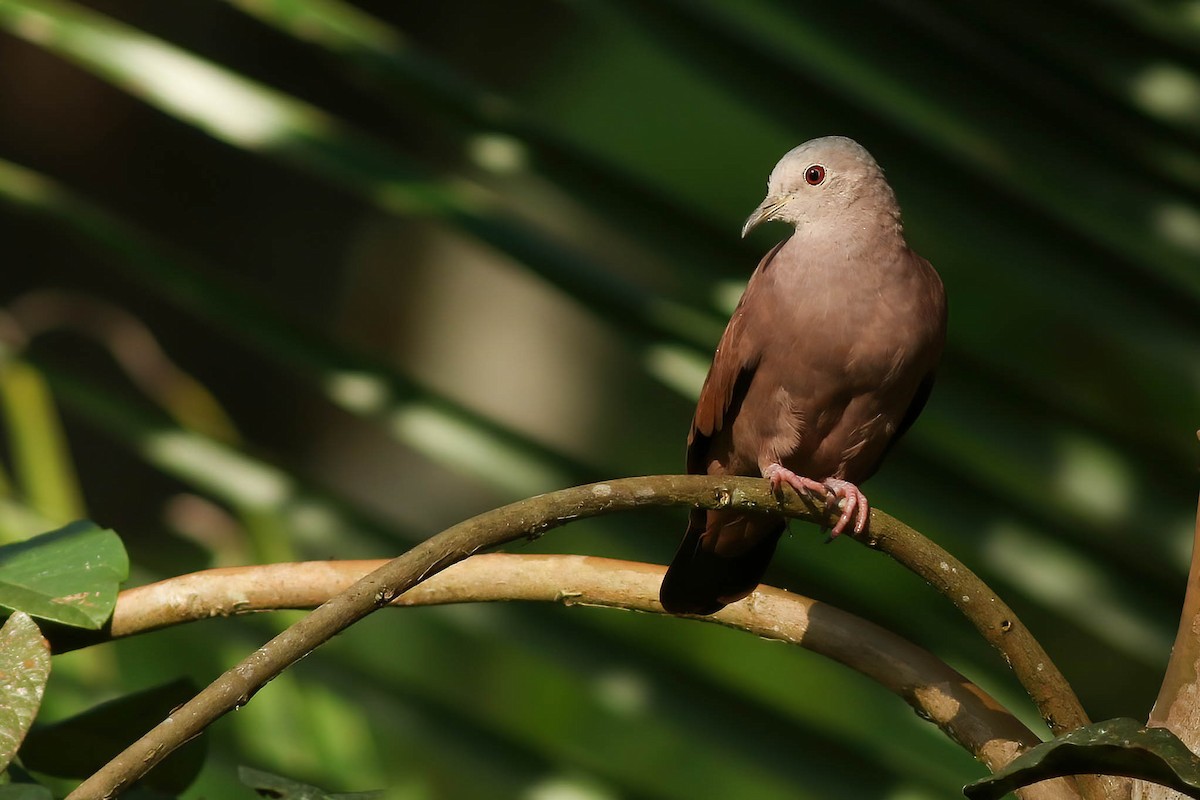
(292, 280)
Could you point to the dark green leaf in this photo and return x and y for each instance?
(274, 786)
(15, 774)
(70, 575)
(1113, 747)
(24, 668)
(24, 791)
(78, 746)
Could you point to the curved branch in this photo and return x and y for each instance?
(939, 694)
(935, 691)
(990, 615)
(530, 519)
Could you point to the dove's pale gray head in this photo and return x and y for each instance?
(831, 181)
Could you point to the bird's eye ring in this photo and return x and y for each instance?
(814, 174)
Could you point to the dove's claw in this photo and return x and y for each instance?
(853, 503)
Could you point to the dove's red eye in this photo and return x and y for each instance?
(814, 174)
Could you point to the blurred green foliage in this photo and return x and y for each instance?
(309, 279)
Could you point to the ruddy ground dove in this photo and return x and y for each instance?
(828, 359)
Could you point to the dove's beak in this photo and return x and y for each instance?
(769, 208)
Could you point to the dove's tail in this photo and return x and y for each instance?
(722, 559)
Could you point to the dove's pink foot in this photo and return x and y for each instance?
(852, 501)
(778, 475)
(855, 505)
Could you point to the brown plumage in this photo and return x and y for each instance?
(828, 359)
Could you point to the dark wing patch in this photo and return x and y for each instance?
(915, 407)
(699, 438)
(728, 379)
(939, 312)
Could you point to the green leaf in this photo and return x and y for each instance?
(274, 786)
(24, 668)
(70, 575)
(78, 746)
(1113, 747)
